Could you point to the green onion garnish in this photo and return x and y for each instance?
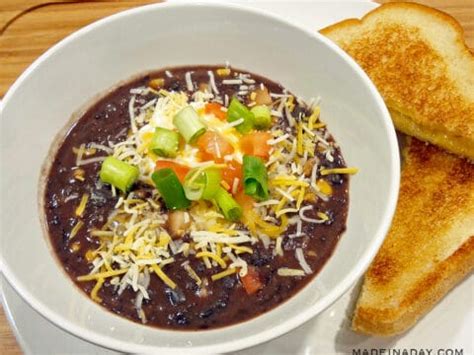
(237, 111)
(202, 183)
(170, 189)
(188, 124)
(263, 117)
(229, 207)
(255, 177)
(164, 142)
(118, 173)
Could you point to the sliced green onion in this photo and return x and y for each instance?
(236, 111)
(164, 142)
(188, 124)
(170, 189)
(229, 207)
(255, 177)
(118, 173)
(202, 183)
(263, 117)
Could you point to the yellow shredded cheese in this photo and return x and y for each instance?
(313, 118)
(350, 171)
(223, 274)
(213, 256)
(241, 249)
(82, 205)
(301, 195)
(76, 229)
(288, 182)
(163, 276)
(96, 289)
(323, 216)
(102, 275)
(299, 140)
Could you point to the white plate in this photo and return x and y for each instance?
(448, 326)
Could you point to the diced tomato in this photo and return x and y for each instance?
(231, 172)
(251, 281)
(212, 146)
(214, 108)
(245, 201)
(180, 170)
(255, 143)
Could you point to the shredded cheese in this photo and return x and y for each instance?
(76, 229)
(350, 171)
(96, 289)
(212, 256)
(302, 261)
(284, 271)
(163, 276)
(82, 205)
(103, 275)
(223, 274)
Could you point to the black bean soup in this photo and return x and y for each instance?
(201, 266)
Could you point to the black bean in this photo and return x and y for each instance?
(191, 285)
(221, 303)
(175, 85)
(55, 220)
(179, 318)
(336, 179)
(330, 220)
(206, 314)
(65, 235)
(53, 201)
(260, 258)
(72, 221)
(175, 297)
(200, 267)
(229, 282)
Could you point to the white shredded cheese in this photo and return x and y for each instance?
(278, 249)
(131, 112)
(284, 194)
(284, 271)
(189, 82)
(302, 261)
(307, 219)
(90, 161)
(278, 140)
(232, 81)
(212, 82)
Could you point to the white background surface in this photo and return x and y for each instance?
(449, 326)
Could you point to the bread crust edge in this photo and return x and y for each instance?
(400, 5)
(420, 299)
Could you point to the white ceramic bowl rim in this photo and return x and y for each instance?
(279, 329)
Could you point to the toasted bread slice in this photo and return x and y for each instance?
(417, 58)
(430, 246)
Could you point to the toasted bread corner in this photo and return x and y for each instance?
(419, 61)
(429, 248)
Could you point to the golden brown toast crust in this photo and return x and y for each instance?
(431, 86)
(430, 246)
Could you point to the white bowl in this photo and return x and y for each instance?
(97, 57)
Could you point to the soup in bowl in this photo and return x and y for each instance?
(199, 180)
